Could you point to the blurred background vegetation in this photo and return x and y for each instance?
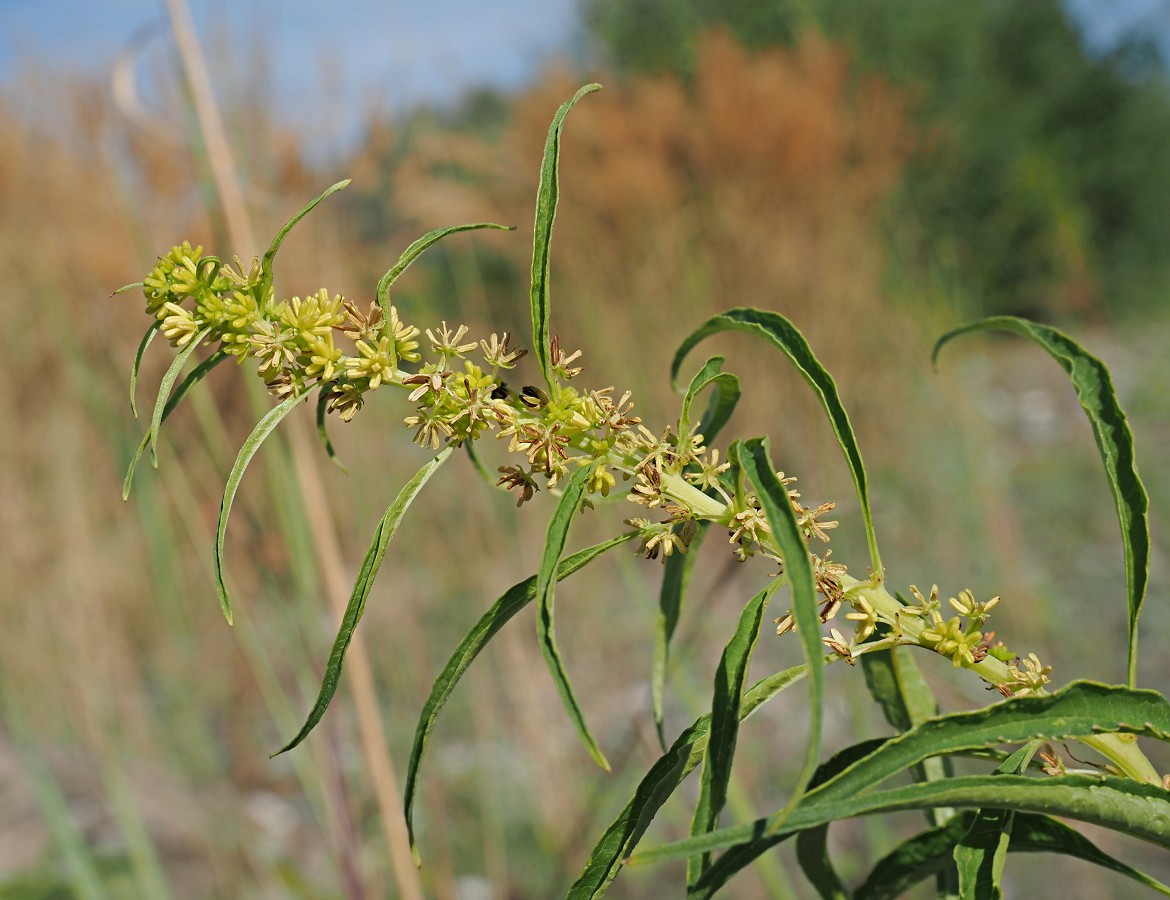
(876, 172)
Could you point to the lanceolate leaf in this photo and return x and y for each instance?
(926, 854)
(658, 784)
(164, 390)
(1120, 804)
(676, 576)
(547, 196)
(511, 602)
(387, 527)
(1094, 388)
(270, 254)
(982, 851)
(783, 335)
(730, 676)
(415, 250)
(724, 397)
(896, 683)
(193, 378)
(1080, 709)
(773, 497)
(259, 434)
(151, 334)
(323, 429)
(546, 580)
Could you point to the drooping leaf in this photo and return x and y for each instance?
(547, 196)
(782, 334)
(676, 576)
(270, 254)
(323, 429)
(259, 434)
(623, 834)
(928, 853)
(773, 498)
(511, 602)
(982, 850)
(415, 250)
(387, 527)
(151, 334)
(546, 580)
(1094, 388)
(1123, 805)
(164, 390)
(193, 378)
(724, 397)
(730, 676)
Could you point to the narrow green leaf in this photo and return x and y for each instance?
(811, 844)
(730, 676)
(1080, 709)
(150, 335)
(676, 576)
(415, 250)
(783, 335)
(511, 602)
(547, 196)
(1094, 388)
(774, 500)
(688, 750)
(724, 397)
(259, 434)
(193, 378)
(928, 853)
(323, 429)
(896, 683)
(164, 390)
(270, 255)
(554, 547)
(372, 562)
(982, 850)
(1121, 804)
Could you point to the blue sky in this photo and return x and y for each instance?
(397, 51)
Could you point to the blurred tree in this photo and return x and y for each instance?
(1045, 185)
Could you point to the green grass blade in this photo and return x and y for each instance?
(193, 378)
(508, 605)
(415, 250)
(724, 397)
(151, 334)
(676, 576)
(925, 855)
(259, 434)
(164, 390)
(1094, 388)
(372, 562)
(546, 580)
(981, 852)
(687, 752)
(783, 335)
(1123, 805)
(730, 676)
(547, 196)
(323, 430)
(270, 254)
(773, 497)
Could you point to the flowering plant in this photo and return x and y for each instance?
(584, 443)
